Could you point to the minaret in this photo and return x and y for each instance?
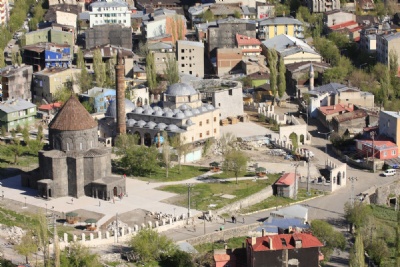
(120, 84)
(311, 77)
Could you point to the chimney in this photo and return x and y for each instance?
(271, 245)
(253, 240)
(334, 107)
(263, 232)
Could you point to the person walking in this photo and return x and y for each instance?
(233, 219)
(72, 201)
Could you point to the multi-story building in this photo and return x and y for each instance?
(223, 34)
(190, 58)
(46, 82)
(321, 6)
(250, 46)
(389, 125)
(16, 82)
(161, 52)
(228, 61)
(109, 12)
(385, 43)
(14, 112)
(4, 12)
(250, 3)
(271, 27)
(110, 34)
(265, 11)
(337, 17)
(303, 249)
(46, 55)
(368, 36)
(49, 35)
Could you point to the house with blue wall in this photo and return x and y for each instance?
(101, 97)
(46, 55)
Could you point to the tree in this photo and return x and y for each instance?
(397, 248)
(357, 258)
(340, 72)
(339, 39)
(178, 259)
(42, 237)
(79, 256)
(281, 78)
(171, 71)
(40, 135)
(134, 164)
(2, 61)
(272, 61)
(179, 143)
(235, 161)
(110, 71)
(80, 61)
(27, 246)
(378, 251)
(149, 246)
(394, 68)
(207, 16)
(356, 214)
(328, 236)
(84, 80)
(88, 105)
(328, 50)
(62, 94)
(15, 149)
(151, 71)
(237, 14)
(125, 142)
(19, 59)
(226, 142)
(13, 58)
(99, 68)
(166, 152)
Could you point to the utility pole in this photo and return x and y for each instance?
(204, 219)
(295, 181)
(189, 187)
(373, 150)
(116, 225)
(308, 175)
(56, 251)
(352, 180)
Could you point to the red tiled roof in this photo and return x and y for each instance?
(328, 110)
(380, 145)
(284, 241)
(50, 106)
(346, 24)
(221, 257)
(245, 40)
(286, 179)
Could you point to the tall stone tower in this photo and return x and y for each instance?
(120, 84)
(311, 77)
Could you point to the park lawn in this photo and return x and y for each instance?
(186, 172)
(275, 201)
(235, 242)
(12, 218)
(204, 194)
(225, 175)
(7, 161)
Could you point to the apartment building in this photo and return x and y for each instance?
(386, 43)
(271, 27)
(321, 6)
(190, 58)
(109, 12)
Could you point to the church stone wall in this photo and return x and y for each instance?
(73, 140)
(75, 176)
(60, 174)
(97, 167)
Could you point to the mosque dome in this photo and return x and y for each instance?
(112, 108)
(161, 126)
(141, 123)
(188, 113)
(180, 89)
(210, 107)
(166, 109)
(156, 108)
(195, 111)
(158, 113)
(179, 115)
(176, 110)
(146, 107)
(151, 124)
(131, 122)
(148, 111)
(184, 107)
(189, 122)
(169, 114)
(138, 110)
(172, 128)
(203, 109)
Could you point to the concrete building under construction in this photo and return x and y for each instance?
(112, 34)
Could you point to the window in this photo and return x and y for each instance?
(80, 146)
(393, 152)
(182, 58)
(201, 135)
(384, 153)
(200, 123)
(182, 50)
(230, 91)
(182, 65)
(208, 132)
(215, 119)
(207, 121)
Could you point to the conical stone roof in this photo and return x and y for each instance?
(72, 117)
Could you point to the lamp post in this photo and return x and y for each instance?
(189, 187)
(295, 180)
(326, 137)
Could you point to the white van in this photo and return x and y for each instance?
(389, 172)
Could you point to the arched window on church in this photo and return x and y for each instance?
(80, 145)
(91, 143)
(67, 146)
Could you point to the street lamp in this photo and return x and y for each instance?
(189, 187)
(326, 137)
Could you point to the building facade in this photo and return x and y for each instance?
(228, 61)
(285, 186)
(16, 82)
(389, 125)
(109, 34)
(190, 58)
(385, 44)
(16, 112)
(109, 12)
(4, 12)
(335, 17)
(46, 82)
(49, 35)
(321, 6)
(161, 52)
(379, 149)
(271, 27)
(250, 46)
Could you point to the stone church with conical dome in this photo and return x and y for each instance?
(75, 165)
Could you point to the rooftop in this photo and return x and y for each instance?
(11, 70)
(192, 43)
(352, 115)
(159, 46)
(334, 109)
(347, 24)
(298, 66)
(391, 36)
(288, 45)
(280, 21)
(15, 105)
(286, 179)
(72, 117)
(284, 241)
(380, 145)
(246, 40)
(108, 51)
(40, 47)
(108, 4)
(50, 71)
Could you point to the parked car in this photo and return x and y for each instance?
(389, 172)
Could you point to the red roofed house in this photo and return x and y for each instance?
(298, 249)
(325, 114)
(349, 28)
(380, 149)
(285, 186)
(224, 258)
(250, 46)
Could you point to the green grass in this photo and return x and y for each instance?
(12, 218)
(225, 175)
(235, 242)
(6, 161)
(205, 194)
(186, 172)
(275, 201)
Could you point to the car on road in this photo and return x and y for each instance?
(389, 172)
(308, 153)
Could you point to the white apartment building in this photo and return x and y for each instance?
(386, 43)
(4, 12)
(190, 57)
(321, 6)
(109, 12)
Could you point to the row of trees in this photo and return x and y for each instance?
(171, 72)
(277, 73)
